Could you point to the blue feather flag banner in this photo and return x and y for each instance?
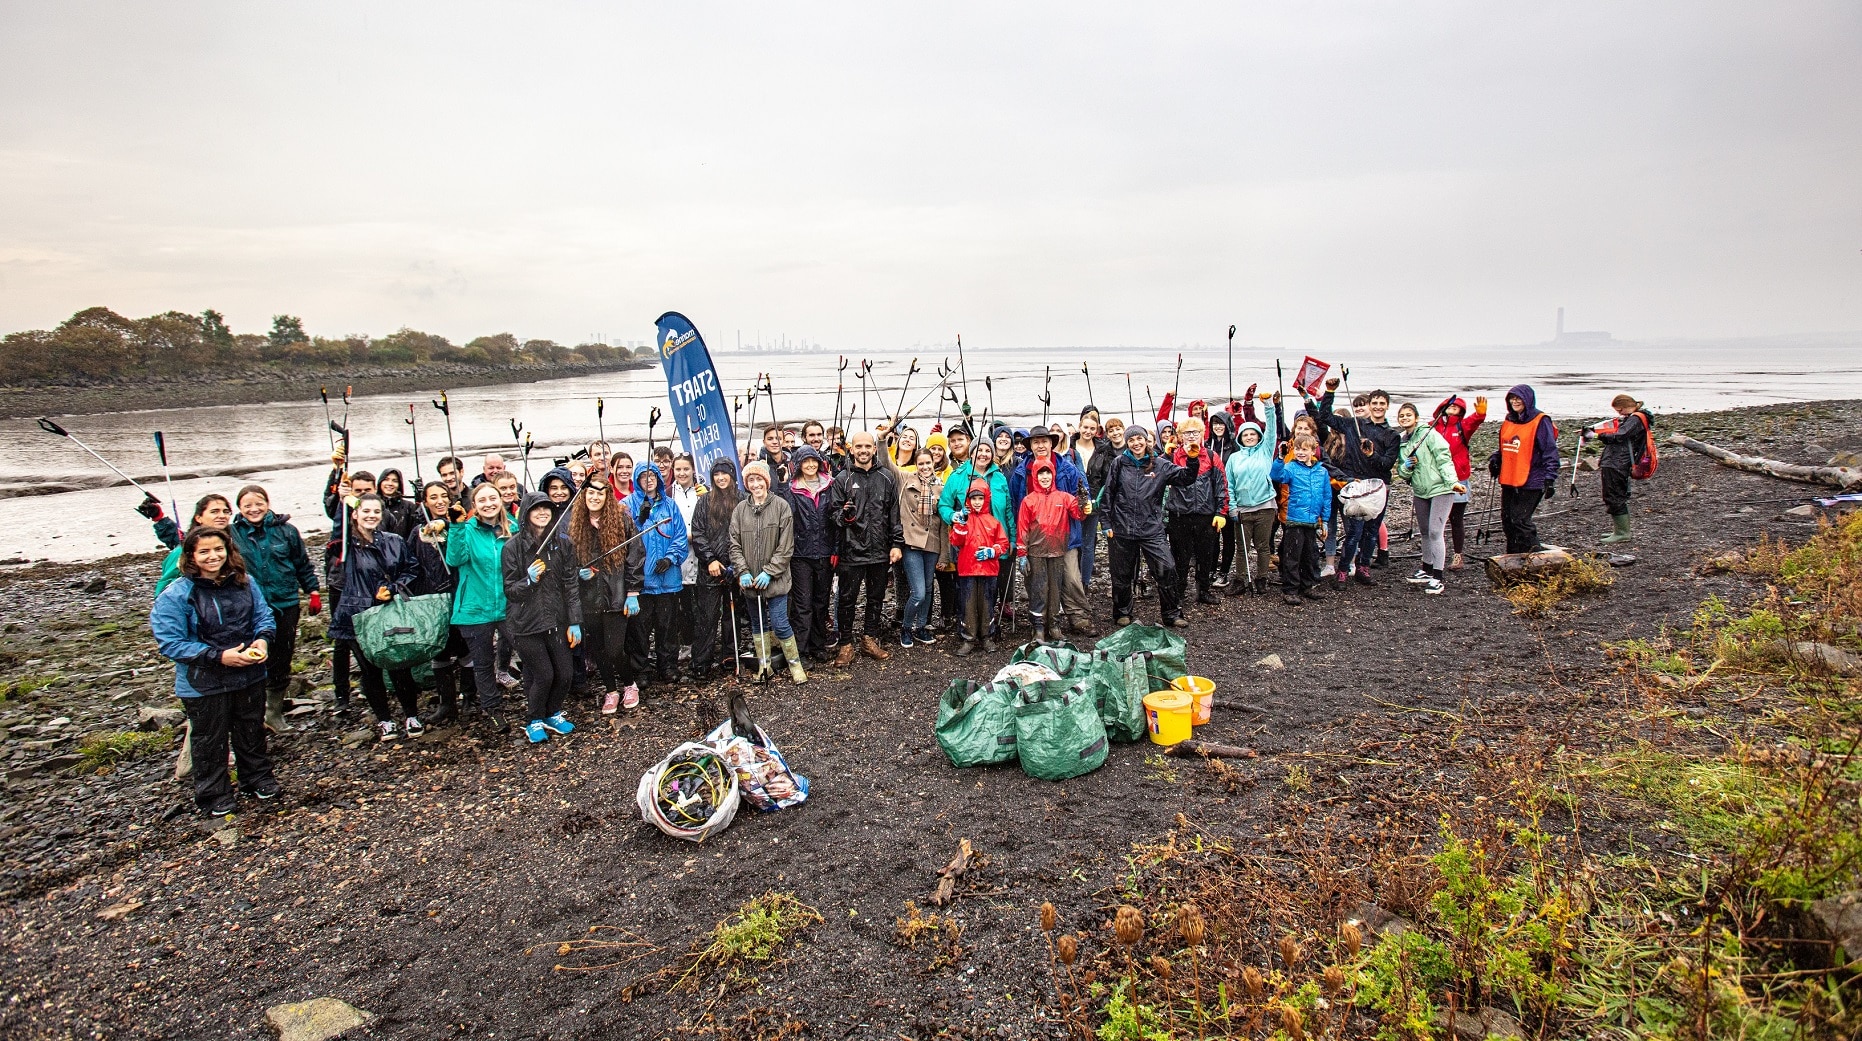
(698, 408)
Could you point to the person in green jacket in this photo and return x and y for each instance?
(980, 466)
(275, 557)
(475, 552)
(1427, 462)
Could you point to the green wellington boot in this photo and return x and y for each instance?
(794, 654)
(1620, 532)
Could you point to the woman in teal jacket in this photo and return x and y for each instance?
(1427, 461)
(1251, 498)
(980, 466)
(275, 558)
(475, 552)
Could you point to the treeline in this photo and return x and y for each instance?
(97, 344)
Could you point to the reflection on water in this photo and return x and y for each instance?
(57, 502)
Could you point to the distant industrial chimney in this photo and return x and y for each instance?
(1560, 334)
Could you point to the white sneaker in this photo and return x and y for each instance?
(388, 730)
(1328, 570)
(1420, 578)
(415, 727)
(1434, 586)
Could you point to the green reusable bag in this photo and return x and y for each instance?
(976, 723)
(403, 633)
(1057, 730)
(1162, 652)
(1116, 686)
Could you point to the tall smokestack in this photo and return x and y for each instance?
(1560, 334)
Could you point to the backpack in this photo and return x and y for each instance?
(1643, 467)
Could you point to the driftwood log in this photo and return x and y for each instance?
(1508, 568)
(1846, 478)
(947, 876)
(1193, 748)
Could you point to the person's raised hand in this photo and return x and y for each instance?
(1331, 383)
(535, 570)
(1480, 404)
(457, 513)
(150, 507)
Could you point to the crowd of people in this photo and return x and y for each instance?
(616, 579)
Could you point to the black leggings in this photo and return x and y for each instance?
(605, 635)
(284, 646)
(546, 671)
(1456, 523)
(376, 692)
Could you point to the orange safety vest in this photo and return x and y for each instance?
(1516, 444)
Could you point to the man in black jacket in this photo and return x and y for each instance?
(1132, 505)
(863, 508)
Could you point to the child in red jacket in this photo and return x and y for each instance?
(980, 543)
(1045, 523)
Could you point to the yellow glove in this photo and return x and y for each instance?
(1220, 522)
(1480, 404)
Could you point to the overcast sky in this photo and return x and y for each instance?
(872, 175)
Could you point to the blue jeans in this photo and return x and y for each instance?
(1089, 545)
(1360, 542)
(776, 610)
(920, 574)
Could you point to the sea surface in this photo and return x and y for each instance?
(59, 503)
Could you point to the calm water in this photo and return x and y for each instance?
(60, 504)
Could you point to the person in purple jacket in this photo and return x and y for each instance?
(1526, 466)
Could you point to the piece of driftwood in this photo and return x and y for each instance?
(1508, 568)
(1191, 747)
(948, 874)
(1847, 478)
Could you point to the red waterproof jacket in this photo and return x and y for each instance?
(1458, 432)
(1046, 518)
(979, 530)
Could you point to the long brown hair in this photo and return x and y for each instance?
(234, 570)
(591, 542)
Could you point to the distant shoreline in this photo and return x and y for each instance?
(263, 385)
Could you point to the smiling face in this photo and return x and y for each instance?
(210, 556)
(436, 499)
(648, 483)
(595, 496)
(540, 516)
(757, 484)
(253, 506)
(1406, 418)
(368, 515)
(959, 444)
(450, 476)
(722, 480)
(487, 504)
(982, 455)
(507, 488)
(682, 472)
(816, 435)
(391, 484)
(864, 449)
(215, 514)
(1380, 407)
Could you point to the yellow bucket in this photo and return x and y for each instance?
(1167, 715)
(1201, 688)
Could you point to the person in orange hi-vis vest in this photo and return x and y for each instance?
(1527, 467)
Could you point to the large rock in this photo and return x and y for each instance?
(1837, 660)
(150, 717)
(1483, 1024)
(1840, 919)
(318, 1019)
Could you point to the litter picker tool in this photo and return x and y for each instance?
(1088, 373)
(601, 428)
(899, 415)
(769, 391)
(1047, 391)
(756, 388)
(926, 396)
(865, 370)
(1280, 383)
(529, 443)
(989, 387)
(346, 392)
(963, 374)
(1131, 404)
(446, 409)
(653, 416)
(658, 525)
(840, 384)
(517, 440)
(737, 651)
(324, 393)
(949, 394)
(161, 449)
(1176, 386)
(1231, 363)
(762, 645)
(1149, 400)
(415, 431)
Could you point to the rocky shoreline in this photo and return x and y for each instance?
(257, 386)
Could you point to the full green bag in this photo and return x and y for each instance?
(403, 633)
(976, 723)
(1161, 651)
(1116, 686)
(1057, 730)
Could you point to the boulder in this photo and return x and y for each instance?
(318, 1019)
(1835, 659)
(1840, 919)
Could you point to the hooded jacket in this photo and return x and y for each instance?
(762, 540)
(1532, 432)
(1353, 464)
(667, 541)
(1222, 439)
(813, 539)
(554, 600)
(956, 491)
(708, 540)
(1047, 519)
(869, 531)
(977, 531)
(559, 473)
(1427, 462)
(1067, 478)
(400, 513)
(475, 552)
(1207, 495)
(1132, 502)
(194, 623)
(1458, 432)
(275, 556)
(1622, 441)
(1249, 468)
(385, 561)
(1309, 490)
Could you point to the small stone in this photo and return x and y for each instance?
(1272, 661)
(1837, 660)
(61, 762)
(1471, 1025)
(227, 836)
(96, 584)
(151, 718)
(1840, 919)
(1806, 510)
(318, 1019)
(358, 738)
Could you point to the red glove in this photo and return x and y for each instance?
(316, 602)
(834, 561)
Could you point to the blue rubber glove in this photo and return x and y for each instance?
(575, 636)
(762, 580)
(960, 516)
(585, 574)
(535, 571)
(633, 605)
(985, 554)
(745, 581)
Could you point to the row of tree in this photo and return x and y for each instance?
(99, 344)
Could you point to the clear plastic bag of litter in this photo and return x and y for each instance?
(1364, 499)
(691, 794)
(763, 775)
